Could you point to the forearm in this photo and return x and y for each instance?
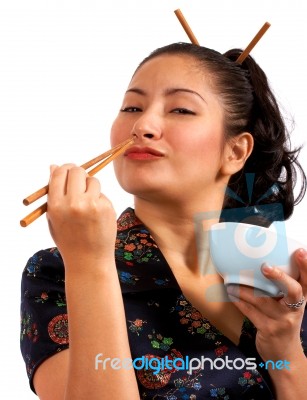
(97, 325)
(291, 383)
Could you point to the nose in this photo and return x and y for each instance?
(147, 126)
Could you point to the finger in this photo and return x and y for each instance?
(76, 182)
(93, 186)
(251, 302)
(53, 167)
(266, 313)
(244, 299)
(248, 295)
(291, 288)
(300, 257)
(262, 311)
(57, 182)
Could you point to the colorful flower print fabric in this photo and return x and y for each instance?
(165, 330)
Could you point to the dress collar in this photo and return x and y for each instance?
(141, 265)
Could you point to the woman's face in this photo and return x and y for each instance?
(177, 121)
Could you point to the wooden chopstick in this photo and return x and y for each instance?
(186, 26)
(106, 158)
(27, 220)
(44, 190)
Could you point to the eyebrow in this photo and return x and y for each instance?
(167, 92)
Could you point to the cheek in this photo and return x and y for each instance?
(117, 133)
(203, 146)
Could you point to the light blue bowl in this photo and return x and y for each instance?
(238, 250)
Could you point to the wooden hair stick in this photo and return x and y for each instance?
(253, 43)
(186, 26)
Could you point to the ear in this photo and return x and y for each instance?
(236, 152)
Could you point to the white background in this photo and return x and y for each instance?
(64, 65)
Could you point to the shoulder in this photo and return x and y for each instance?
(45, 264)
(42, 279)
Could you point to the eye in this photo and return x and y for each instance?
(130, 109)
(183, 111)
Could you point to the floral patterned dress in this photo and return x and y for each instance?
(162, 325)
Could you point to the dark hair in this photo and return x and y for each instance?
(266, 183)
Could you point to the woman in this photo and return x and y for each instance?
(201, 122)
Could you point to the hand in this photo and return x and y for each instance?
(82, 221)
(278, 325)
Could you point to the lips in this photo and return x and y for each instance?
(138, 152)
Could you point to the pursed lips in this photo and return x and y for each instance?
(143, 153)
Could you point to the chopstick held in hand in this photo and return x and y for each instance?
(106, 158)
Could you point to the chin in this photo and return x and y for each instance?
(137, 189)
(138, 181)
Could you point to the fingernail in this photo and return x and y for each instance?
(233, 290)
(266, 268)
(302, 253)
